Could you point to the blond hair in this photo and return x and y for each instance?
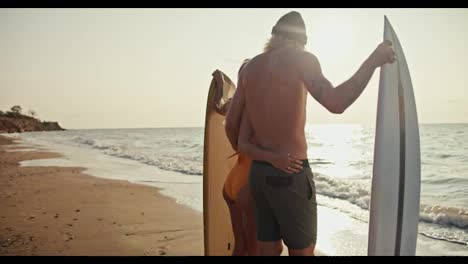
(277, 41)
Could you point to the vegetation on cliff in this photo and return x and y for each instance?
(14, 121)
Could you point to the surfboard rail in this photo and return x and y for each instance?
(217, 228)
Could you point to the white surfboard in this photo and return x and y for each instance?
(395, 193)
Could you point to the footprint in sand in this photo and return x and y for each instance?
(68, 236)
(166, 239)
(162, 251)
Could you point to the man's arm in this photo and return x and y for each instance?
(234, 115)
(244, 144)
(338, 99)
(236, 108)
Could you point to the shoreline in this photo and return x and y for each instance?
(63, 211)
(338, 233)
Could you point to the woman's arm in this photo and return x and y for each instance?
(281, 161)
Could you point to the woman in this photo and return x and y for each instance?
(236, 191)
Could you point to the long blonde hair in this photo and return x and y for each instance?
(277, 41)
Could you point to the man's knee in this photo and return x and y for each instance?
(308, 251)
(273, 248)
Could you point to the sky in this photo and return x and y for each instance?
(141, 68)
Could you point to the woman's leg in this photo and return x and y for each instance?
(236, 221)
(246, 204)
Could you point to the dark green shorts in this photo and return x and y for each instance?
(285, 205)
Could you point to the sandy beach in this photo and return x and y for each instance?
(52, 206)
(62, 211)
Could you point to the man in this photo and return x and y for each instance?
(272, 93)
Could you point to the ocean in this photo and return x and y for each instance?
(341, 157)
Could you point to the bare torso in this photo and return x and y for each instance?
(276, 102)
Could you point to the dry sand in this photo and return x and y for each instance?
(61, 211)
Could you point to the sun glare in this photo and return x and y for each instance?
(331, 37)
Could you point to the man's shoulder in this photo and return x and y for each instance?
(306, 55)
(247, 62)
(243, 65)
(306, 60)
(254, 58)
(298, 57)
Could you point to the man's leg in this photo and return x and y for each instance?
(309, 251)
(293, 201)
(270, 248)
(268, 232)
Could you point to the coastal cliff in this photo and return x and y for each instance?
(15, 122)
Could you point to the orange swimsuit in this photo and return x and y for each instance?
(238, 177)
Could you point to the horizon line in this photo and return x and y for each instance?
(169, 127)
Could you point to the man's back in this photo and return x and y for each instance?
(276, 101)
